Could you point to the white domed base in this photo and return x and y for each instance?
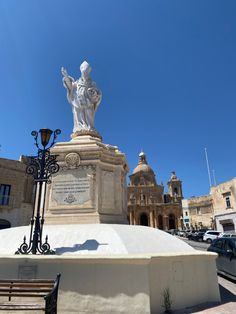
(101, 239)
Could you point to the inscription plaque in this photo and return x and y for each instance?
(72, 187)
(27, 271)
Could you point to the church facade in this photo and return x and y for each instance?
(148, 204)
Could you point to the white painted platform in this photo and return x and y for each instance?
(117, 269)
(101, 239)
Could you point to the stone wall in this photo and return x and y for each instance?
(19, 208)
(122, 284)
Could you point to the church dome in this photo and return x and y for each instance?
(142, 165)
(143, 168)
(143, 173)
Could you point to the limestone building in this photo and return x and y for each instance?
(198, 212)
(148, 204)
(214, 211)
(16, 193)
(224, 204)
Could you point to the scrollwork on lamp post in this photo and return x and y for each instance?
(41, 167)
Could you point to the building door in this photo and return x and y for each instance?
(172, 221)
(160, 222)
(143, 219)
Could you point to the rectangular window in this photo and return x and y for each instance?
(227, 200)
(186, 213)
(4, 194)
(198, 211)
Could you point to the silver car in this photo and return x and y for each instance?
(211, 235)
(226, 260)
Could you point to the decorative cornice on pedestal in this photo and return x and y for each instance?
(92, 133)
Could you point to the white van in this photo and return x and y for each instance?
(211, 235)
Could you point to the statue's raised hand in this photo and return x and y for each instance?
(64, 72)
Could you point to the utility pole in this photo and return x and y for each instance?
(208, 169)
(214, 177)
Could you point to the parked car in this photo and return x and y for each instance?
(172, 231)
(190, 234)
(227, 235)
(187, 232)
(181, 233)
(226, 260)
(198, 236)
(211, 235)
(203, 230)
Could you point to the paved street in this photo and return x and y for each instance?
(202, 246)
(227, 291)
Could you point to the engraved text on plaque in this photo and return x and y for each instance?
(72, 187)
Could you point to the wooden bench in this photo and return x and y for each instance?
(26, 290)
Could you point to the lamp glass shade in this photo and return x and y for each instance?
(45, 136)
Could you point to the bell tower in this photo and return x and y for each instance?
(175, 187)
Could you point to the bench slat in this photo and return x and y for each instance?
(20, 307)
(25, 290)
(26, 285)
(22, 295)
(28, 280)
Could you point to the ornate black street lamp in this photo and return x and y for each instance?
(41, 167)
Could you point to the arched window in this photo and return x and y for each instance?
(4, 224)
(172, 221)
(160, 222)
(143, 220)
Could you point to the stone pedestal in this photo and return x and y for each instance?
(91, 184)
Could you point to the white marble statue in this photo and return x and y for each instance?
(84, 98)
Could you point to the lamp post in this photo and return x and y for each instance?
(41, 167)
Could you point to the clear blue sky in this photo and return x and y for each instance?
(167, 71)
